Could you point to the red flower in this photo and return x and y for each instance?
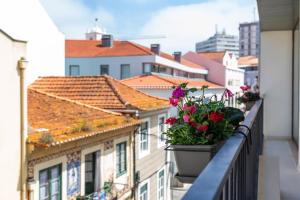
(244, 88)
(173, 101)
(203, 128)
(228, 93)
(216, 117)
(171, 120)
(193, 124)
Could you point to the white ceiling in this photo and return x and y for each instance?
(277, 14)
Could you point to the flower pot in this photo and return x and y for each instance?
(192, 159)
(249, 105)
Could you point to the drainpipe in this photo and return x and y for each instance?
(134, 157)
(23, 167)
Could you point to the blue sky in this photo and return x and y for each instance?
(182, 22)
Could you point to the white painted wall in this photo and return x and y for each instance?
(91, 66)
(236, 77)
(27, 20)
(10, 53)
(276, 82)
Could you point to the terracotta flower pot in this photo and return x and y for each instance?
(192, 159)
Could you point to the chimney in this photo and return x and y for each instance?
(177, 56)
(155, 48)
(107, 40)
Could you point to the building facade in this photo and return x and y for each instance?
(250, 65)
(124, 59)
(150, 160)
(219, 42)
(249, 43)
(222, 67)
(82, 151)
(12, 115)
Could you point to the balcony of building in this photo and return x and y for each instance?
(249, 166)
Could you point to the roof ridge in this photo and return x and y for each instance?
(72, 101)
(115, 90)
(137, 46)
(121, 83)
(162, 78)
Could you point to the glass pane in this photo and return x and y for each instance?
(125, 71)
(44, 186)
(74, 70)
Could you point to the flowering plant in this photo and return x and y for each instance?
(201, 120)
(248, 95)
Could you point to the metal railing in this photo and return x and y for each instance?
(232, 174)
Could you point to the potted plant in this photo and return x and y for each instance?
(200, 129)
(248, 97)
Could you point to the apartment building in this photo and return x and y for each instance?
(249, 39)
(150, 163)
(219, 42)
(77, 149)
(124, 59)
(222, 68)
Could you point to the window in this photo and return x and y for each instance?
(161, 130)
(50, 183)
(125, 71)
(92, 172)
(104, 69)
(161, 185)
(144, 191)
(74, 70)
(121, 159)
(144, 139)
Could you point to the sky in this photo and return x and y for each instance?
(176, 24)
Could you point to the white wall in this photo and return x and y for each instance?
(276, 82)
(10, 53)
(91, 66)
(27, 20)
(236, 77)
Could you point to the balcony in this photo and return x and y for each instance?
(248, 167)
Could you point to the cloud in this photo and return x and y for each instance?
(185, 25)
(74, 17)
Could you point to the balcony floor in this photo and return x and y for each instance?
(286, 153)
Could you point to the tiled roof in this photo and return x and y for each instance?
(93, 48)
(162, 82)
(248, 61)
(99, 91)
(217, 56)
(65, 120)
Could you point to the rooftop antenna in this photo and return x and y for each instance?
(216, 27)
(254, 14)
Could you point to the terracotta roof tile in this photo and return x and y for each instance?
(162, 82)
(62, 119)
(99, 91)
(93, 48)
(248, 60)
(217, 56)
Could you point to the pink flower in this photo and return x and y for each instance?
(173, 101)
(186, 118)
(178, 93)
(203, 128)
(171, 120)
(193, 109)
(186, 107)
(228, 93)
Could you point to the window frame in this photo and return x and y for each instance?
(160, 142)
(143, 153)
(164, 184)
(121, 67)
(147, 181)
(119, 159)
(48, 170)
(104, 65)
(70, 67)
